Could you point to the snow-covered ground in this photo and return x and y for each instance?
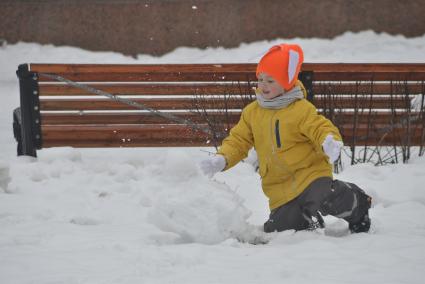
(147, 215)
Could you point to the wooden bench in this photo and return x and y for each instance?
(370, 103)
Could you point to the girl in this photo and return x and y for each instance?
(296, 148)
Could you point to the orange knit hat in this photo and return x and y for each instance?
(283, 63)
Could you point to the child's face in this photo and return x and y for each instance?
(268, 87)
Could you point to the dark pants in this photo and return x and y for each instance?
(337, 198)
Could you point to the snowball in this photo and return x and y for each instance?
(204, 212)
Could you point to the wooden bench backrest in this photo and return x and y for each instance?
(370, 103)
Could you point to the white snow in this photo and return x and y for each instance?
(147, 215)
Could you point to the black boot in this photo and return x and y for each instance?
(361, 224)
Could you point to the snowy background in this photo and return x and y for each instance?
(147, 215)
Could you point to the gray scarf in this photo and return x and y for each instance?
(281, 101)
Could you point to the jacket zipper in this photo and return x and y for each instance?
(277, 133)
(278, 143)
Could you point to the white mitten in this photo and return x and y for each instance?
(212, 165)
(332, 148)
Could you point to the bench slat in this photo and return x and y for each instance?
(369, 76)
(364, 67)
(51, 104)
(232, 88)
(147, 89)
(157, 130)
(152, 135)
(367, 88)
(159, 104)
(155, 77)
(147, 118)
(142, 68)
(133, 143)
(231, 76)
(241, 67)
(225, 72)
(128, 118)
(123, 134)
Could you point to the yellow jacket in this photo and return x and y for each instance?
(288, 142)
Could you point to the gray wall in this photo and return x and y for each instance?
(158, 26)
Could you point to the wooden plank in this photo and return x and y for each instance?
(147, 73)
(123, 133)
(130, 118)
(142, 68)
(241, 67)
(364, 67)
(369, 76)
(180, 143)
(361, 103)
(148, 89)
(226, 72)
(395, 88)
(164, 135)
(50, 104)
(233, 76)
(374, 118)
(133, 143)
(159, 104)
(158, 131)
(76, 131)
(155, 77)
(382, 135)
(230, 88)
(365, 117)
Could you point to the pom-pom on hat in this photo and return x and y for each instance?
(283, 63)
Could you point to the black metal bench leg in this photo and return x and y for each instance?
(17, 129)
(28, 116)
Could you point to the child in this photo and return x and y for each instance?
(296, 148)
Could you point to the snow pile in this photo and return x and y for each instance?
(164, 186)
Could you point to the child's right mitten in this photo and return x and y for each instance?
(213, 165)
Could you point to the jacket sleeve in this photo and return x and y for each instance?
(316, 127)
(235, 147)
